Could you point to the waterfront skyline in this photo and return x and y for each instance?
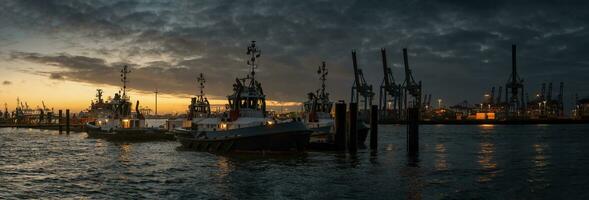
(60, 52)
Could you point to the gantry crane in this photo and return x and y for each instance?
(410, 86)
(360, 87)
(390, 108)
(515, 87)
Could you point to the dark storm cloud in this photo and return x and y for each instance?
(56, 76)
(173, 79)
(458, 48)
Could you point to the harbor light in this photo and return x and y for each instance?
(270, 122)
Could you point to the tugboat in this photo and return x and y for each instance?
(317, 117)
(199, 110)
(245, 126)
(114, 121)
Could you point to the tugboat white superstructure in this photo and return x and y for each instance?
(317, 111)
(113, 120)
(317, 117)
(245, 126)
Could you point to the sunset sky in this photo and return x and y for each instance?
(61, 51)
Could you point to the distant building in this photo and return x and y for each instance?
(581, 110)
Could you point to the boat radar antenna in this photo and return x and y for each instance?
(201, 81)
(254, 53)
(323, 72)
(124, 73)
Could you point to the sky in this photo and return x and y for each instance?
(61, 51)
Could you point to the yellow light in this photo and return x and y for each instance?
(490, 115)
(480, 116)
(223, 126)
(125, 120)
(270, 122)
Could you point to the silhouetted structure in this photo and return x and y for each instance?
(410, 86)
(360, 87)
(390, 94)
(515, 87)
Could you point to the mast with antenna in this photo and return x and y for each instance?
(201, 81)
(323, 72)
(99, 95)
(124, 73)
(254, 53)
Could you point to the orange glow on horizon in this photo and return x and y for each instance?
(77, 96)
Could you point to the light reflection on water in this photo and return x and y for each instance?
(488, 165)
(441, 157)
(505, 162)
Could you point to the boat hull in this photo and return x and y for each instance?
(287, 137)
(139, 134)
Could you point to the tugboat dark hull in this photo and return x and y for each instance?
(286, 137)
(129, 135)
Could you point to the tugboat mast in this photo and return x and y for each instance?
(201, 80)
(323, 72)
(254, 53)
(99, 95)
(199, 105)
(124, 73)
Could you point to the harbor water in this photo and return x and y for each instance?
(473, 161)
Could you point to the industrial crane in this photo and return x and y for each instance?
(411, 87)
(389, 88)
(360, 88)
(515, 85)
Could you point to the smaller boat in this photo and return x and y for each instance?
(245, 126)
(113, 120)
(317, 117)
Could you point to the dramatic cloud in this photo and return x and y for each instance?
(457, 48)
(56, 76)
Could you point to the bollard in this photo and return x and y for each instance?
(374, 127)
(353, 133)
(60, 122)
(413, 131)
(67, 121)
(340, 125)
